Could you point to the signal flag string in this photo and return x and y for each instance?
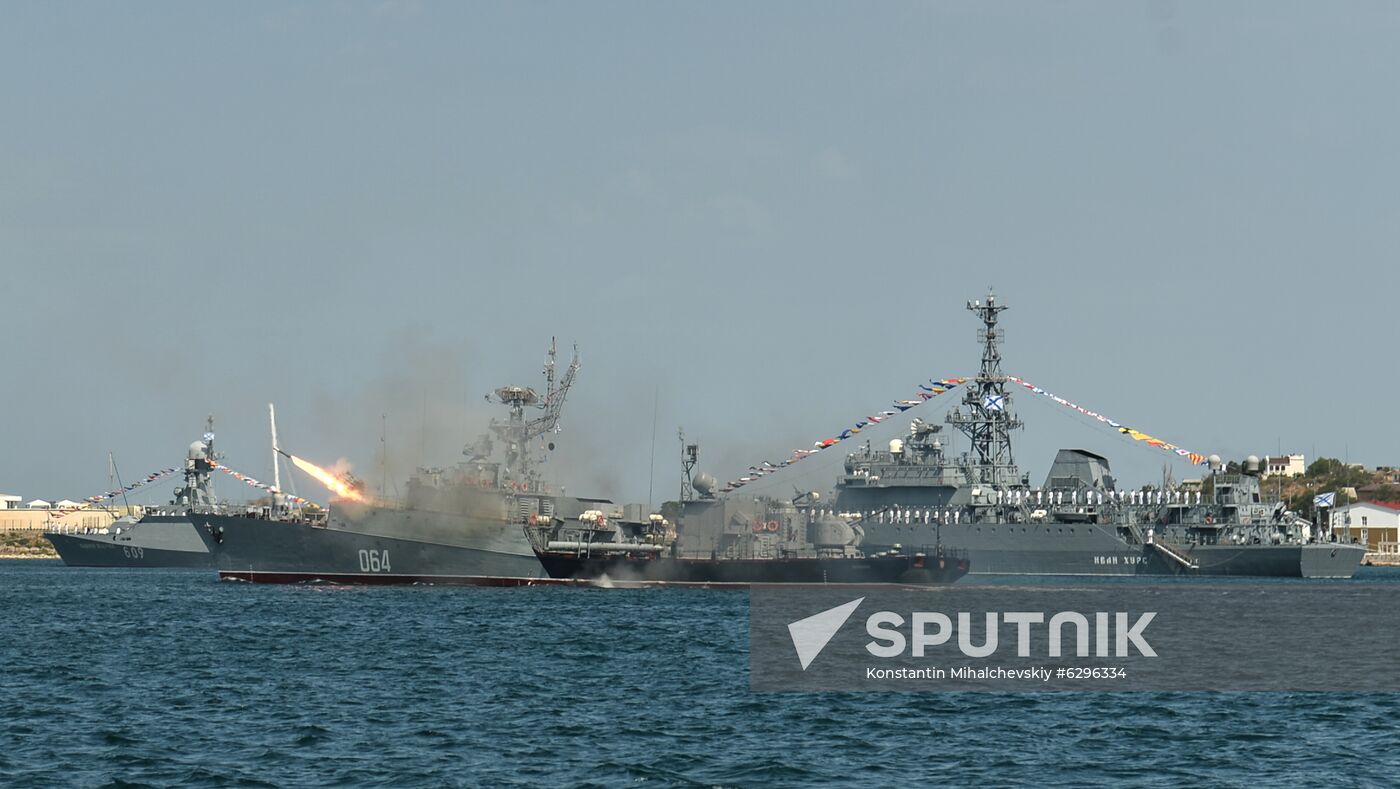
(935, 387)
(1195, 458)
(111, 494)
(247, 480)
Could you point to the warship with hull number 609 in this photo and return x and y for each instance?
(162, 536)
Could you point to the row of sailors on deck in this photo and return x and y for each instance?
(1054, 498)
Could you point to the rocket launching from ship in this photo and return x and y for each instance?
(335, 484)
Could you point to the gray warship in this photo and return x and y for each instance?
(730, 542)
(162, 536)
(1080, 522)
(462, 525)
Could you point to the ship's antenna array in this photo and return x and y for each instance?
(553, 404)
(987, 420)
(517, 431)
(690, 455)
(201, 460)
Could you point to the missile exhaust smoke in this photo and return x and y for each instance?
(332, 482)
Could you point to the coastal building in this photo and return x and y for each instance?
(40, 515)
(1285, 465)
(1375, 523)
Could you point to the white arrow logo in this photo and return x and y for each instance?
(811, 635)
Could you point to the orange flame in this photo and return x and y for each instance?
(336, 485)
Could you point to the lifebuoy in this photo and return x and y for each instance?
(1210, 519)
(758, 527)
(773, 526)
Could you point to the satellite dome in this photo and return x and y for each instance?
(1214, 461)
(197, 450)
(704, 484)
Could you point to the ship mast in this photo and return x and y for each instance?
(986, 417)
(517, 431)
(204, 467)
(200, 463)
(276, 471)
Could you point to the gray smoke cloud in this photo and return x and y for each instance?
(418, 405)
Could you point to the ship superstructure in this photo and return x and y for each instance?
(1080, 521)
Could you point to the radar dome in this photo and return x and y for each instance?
(896, 446)
(197, 450)
(1251, 464)
(1214, 461)
(704, 484)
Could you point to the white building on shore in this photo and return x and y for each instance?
(41, 515)
(1375, 523)
(1285, 465)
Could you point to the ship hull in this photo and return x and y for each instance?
(648, 571)
(157, 541)
(1321, 560)
(387, 547)
(1093, 550)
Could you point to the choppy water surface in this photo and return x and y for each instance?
(170, 677)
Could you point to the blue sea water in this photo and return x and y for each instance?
(128, 678)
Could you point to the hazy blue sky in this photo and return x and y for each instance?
(768, 215)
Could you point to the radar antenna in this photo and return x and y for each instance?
(690, 455)
(517, 431)
(554, 396)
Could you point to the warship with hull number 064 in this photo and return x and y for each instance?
(462, 525)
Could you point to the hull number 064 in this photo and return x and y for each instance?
(374, 561)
